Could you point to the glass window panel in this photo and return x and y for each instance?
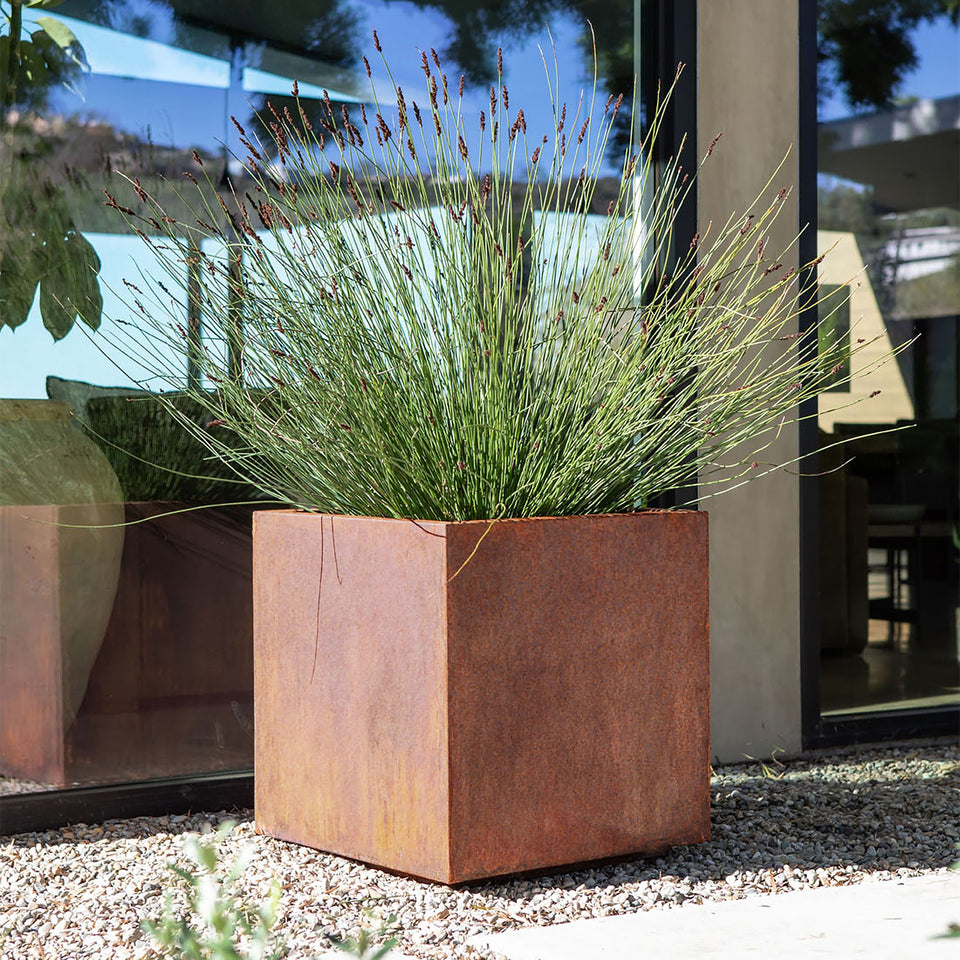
(127, 649)
(889, 180)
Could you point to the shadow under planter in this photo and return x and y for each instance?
(171, 689)
(466, 700)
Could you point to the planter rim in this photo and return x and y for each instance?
(646, 512)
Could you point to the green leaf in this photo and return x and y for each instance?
(84, 267)
(33, 66)
(184, 874)
(66, 40)
(43, 4)
(55, 308)
(388, 945)
(68, 287)
(225, 828)
(19, 276)
(61, 61)
(58, 32)
(15, 303)
(205, 856)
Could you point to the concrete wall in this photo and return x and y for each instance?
(748, 89)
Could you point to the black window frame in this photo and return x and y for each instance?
(836, 730)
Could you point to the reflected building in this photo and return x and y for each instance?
(899, 264)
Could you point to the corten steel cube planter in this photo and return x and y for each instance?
(466, 700)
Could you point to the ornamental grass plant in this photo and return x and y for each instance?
(416, 313)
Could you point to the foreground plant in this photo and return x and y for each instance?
(215, 924)
(408, 314)
(953, 929)
(369, 943)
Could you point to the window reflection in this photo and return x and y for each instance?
(126, 650)
(888, 213)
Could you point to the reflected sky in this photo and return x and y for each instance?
(937, 74)
(152, 88)
(29, 354)
(173, 108)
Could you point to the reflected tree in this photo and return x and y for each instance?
(40, 245)
(326, 27)
(35, 55)
(478, 27)
(864, 47)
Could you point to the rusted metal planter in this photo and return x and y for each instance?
(466, 700)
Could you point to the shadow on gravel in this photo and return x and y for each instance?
(763, 824)
(815, 816)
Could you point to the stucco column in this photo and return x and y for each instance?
(748, 89)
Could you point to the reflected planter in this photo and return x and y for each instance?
(60, 567)
(465, 700)
(169, 691)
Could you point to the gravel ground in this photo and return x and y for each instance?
(10, 786)
(824, 820)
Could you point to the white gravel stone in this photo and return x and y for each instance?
(825, 820)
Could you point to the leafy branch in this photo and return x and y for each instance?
(40, 245)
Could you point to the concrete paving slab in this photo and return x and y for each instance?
(890, 920)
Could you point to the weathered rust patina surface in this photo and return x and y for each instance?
(350, 688)
(455, 707)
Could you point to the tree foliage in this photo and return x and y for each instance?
(864, 47)
(40, 245)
